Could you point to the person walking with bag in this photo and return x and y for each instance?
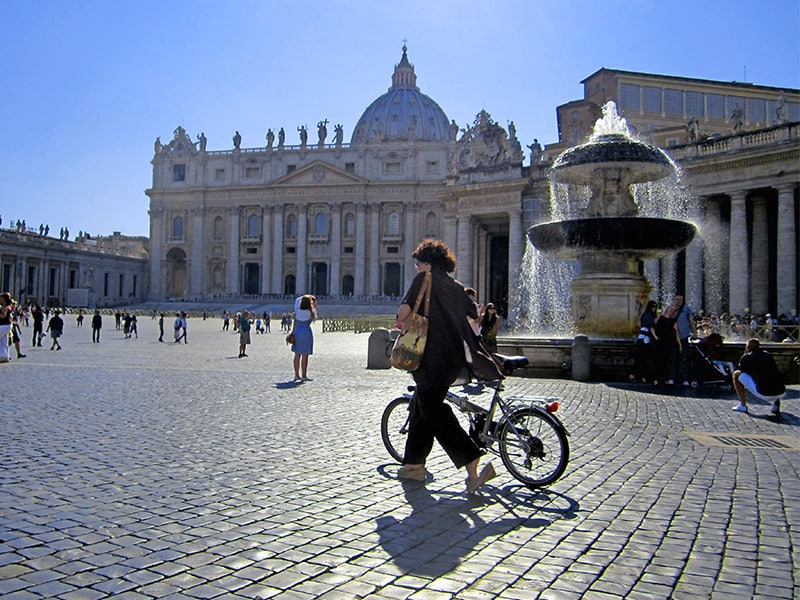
(443, 364)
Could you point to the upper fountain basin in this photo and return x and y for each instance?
(639, 237)
(611, 151)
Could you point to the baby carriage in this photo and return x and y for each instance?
(708, 366)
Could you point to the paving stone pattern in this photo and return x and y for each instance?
(135, 469)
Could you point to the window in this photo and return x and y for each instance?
(629, 96)
(178, 172)
(291, 227)
(651, 99)
(253, 226)
(393, 225)
(715, 106)
(73, 279)
(177, 228)
(431, 230)
(218, 228)
(251, 250)
(350, 167)
(673, 102)
(290, 249)
(219, 175)
(694, 104)
(757, 110)
(251, 172)
(321, 224)
(433, 167)
(392, 250)
(393, 168)
(349, 225)
(348, 250)
(291, 168)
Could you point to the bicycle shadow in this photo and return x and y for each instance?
(440, 532)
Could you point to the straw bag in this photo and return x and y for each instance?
(410, 344)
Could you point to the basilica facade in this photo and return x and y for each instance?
(341, 219)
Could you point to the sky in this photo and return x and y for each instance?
(87, 85)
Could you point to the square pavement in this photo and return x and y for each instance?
(139, 469)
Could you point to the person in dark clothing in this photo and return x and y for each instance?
(668, 347)
(38, 325)
(444, 363)
(161, 327)
(56, 328)
(97, 325)
(645, 344)
(758, 374)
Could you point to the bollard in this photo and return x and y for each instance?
(581, 358)
(379, 347)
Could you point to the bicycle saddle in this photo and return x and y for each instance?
(510, 363)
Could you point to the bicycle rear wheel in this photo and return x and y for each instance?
(394, 427)
(533, 448)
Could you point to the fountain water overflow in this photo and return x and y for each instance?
(610, 214)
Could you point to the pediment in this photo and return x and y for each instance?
(319, 173)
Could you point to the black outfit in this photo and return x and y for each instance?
(666, 349)
(97, 325)
(38, 323)
(645, 346)
(443, 364)
(760, 365)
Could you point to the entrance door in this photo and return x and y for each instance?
(176, 273)
(391, 279)
(251, 278)
(319, 278)
(498, 273)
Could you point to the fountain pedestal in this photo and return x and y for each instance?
(608, 304)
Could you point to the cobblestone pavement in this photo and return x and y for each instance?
(138, 469)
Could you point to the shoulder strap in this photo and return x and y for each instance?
(424, 292)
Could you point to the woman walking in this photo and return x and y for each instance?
(305, 313)
(444, 363)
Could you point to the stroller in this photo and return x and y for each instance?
(708, 366)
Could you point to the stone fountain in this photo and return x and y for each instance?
(608, 236)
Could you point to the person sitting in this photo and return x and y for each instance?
(758, 374)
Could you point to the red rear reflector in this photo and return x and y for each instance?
(552, 407)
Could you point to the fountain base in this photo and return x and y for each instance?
(609, 304)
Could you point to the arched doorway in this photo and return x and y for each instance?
(176, 273)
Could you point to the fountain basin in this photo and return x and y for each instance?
(639, 237)
(641, 162)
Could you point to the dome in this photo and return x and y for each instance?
(403, 112)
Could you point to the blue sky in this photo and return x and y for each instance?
(87, 85)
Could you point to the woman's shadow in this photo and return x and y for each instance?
(439, 533)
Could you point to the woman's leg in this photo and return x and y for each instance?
(442, 423)
(296, 365)
(304, 365)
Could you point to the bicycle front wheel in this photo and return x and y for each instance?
(533, 448)
(394, 427)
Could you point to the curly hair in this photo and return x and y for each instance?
(437, 254)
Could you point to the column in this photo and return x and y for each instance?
(739, 269)
(361, 249)
(302, 249)
(715, 260)
(375, 250)
(233, 253)
(692, 283)
(277, 249)
(464, 251)
(759, 259)
(266, 249)
(516, 248)
(411, 241)
(156, 243)
(196, 262)
(336, 249)
(787, 250)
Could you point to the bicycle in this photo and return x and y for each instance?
(531, 441)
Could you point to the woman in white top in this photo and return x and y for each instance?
(305, 313)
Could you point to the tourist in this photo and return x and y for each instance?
(645, 344)
(184, 326)
(38, 325)
(56, 328)
(6, 308)
(490, 324)
(97, 325)
(244, 333)
(758, 374)
(305, 313)
(79, 320)
(16, 332)
(444, 362)
(178, 326)
(668, 344)
(687, 329)
(161, 328)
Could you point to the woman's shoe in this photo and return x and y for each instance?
(474, 483)
(417, 473)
